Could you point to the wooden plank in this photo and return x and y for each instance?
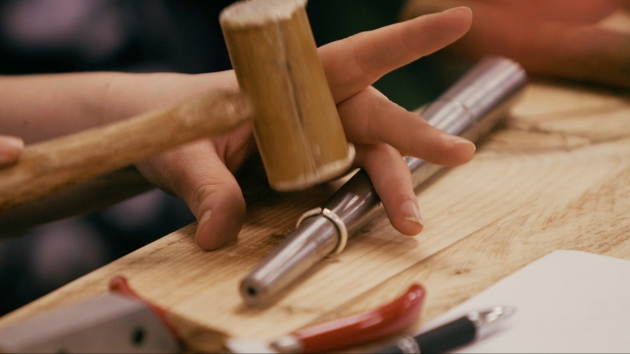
(557, 176)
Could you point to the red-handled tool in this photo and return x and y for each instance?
(120, 285)
(191, 336)
(343, 333)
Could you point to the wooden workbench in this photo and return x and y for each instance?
(555, 176)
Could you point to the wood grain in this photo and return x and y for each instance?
(47, 167)
(296, 124)
(545, 181)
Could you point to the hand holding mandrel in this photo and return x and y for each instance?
(379, 129)
(202, 173)
(470, 108)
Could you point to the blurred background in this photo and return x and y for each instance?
(59, 36)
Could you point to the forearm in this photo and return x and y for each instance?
(40, 107)
(555, 44)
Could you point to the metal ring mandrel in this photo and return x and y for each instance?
(341, 227)
(470, 108)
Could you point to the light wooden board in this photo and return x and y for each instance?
(555, 176)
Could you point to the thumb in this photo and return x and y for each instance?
(219, 206)
(197, 175)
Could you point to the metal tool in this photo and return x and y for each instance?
(470, 109)
(472, 326)
(109, 323)
(118, 322)
(342, 333)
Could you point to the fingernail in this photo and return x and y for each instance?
(202, 221)
(459, 8)
(456, 140)
(205, 217)
(12, 142)
(411, 212)
(10, 148)
(200, 225)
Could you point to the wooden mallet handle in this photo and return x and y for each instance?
(52, 165)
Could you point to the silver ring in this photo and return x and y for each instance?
(328, 214)
(308, 214)
(343, 231)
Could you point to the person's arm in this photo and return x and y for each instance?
(202, 172)
(40, 107)
(556, 38)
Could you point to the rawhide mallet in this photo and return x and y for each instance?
(296, 124)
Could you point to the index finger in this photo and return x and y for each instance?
(354, 63)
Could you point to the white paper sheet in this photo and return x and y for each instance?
(567, 301)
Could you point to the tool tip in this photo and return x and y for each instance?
(253, 294)
(489, 320)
